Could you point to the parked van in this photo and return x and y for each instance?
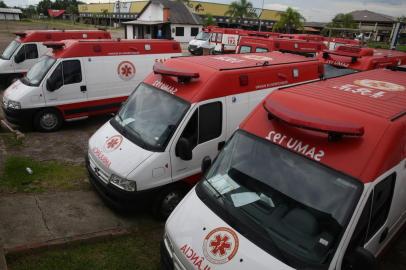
(82, 78)
(348, 59)
(185, 110)
(221, 40)
(249, 44)
(26, 50)
(314, 178)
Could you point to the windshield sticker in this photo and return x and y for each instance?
(228, 59)
(296, 145)
(380, 85)
(126, 70)
(99, 154)
(244, 198)
(220, 245)
(112, 143)
(223, 183)
(166, 87)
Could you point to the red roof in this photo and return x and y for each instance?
(233, 74)
(284, 44)
(109, 47)
(357, 103)
(57, 35)
(363, 58)
(55, 12)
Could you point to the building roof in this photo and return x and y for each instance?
(369, 16)
(315, 24)
(179, 13)
(11, 10)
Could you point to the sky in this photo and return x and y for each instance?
(312, 10)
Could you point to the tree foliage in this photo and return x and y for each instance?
(71, 6)
(240, 9)
(290, 21)
(3, 5)
(343, 20)
(208, 20)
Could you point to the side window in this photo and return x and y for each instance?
(205, 124)
(56, 77)
(213, 37)
(261, 50)
(179, 31)
(194, 31)
(31, 51)
(72, 72)
(245, 49)
(359, 236)
(210, 121)
(383, 194)
(219, 37)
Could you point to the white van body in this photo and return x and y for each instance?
(91, 78)
(207, 97)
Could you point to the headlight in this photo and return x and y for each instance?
(14, 105)
(123, 183)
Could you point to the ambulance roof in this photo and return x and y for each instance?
(110, 47)
(370, 106)
(217, 76)
(56, 35)
(364, 58)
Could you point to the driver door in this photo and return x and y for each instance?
(205, 131)
(69, 83)
(28, 55)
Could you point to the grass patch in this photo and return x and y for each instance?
(382, 45)
(128, 252)
(46, 176)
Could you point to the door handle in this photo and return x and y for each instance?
(83, 88)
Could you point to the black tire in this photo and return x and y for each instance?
(166, 201)
(48, 120)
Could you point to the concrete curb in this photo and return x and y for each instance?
(67, 241)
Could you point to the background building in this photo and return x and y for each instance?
(10, 14)
(380, 25)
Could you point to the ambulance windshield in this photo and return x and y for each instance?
(331, 71)
(149, 117)
(203, 36)
(292, 207)
(38, 71)
(11, 48)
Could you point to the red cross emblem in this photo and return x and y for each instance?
(113, 143)
(126, 70)
(220, 245)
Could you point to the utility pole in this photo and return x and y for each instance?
(260, 21)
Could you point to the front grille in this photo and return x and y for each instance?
(192, 47)
(102, 174)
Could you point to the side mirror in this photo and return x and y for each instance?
(360, 258)
(52, 85)
(183, 149)
(19, 57)
(206, 163)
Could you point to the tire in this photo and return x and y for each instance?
(166, 202)
(48, 120)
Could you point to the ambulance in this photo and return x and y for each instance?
(349, 59)
(185, 110)
(314, 178)
(221, 40)
(82, 78)
(249, 44)
(26, 50)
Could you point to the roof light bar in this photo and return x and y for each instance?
(334, 129)
(182, 75)
(21, 34)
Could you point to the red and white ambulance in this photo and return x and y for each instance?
(349, 59)
(221, 40)
(314, 178)
(249, 44)
(185, 110)
(26, 50)
(82, 78)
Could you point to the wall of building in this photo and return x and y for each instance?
(187, 32)
(9, 17)
(153, 12)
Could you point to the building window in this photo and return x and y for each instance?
(194, 31)
(179, 31)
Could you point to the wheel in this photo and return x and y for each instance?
(166, 202)
(48, 120)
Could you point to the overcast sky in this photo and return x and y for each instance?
(313, 10)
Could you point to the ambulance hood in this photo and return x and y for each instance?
(194, 231)
(198, 42)
(20, 92)
(114, 152)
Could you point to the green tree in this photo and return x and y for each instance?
(3, 5)
(240, 9)
(290, 21)
(343, 20)
(29, 11)
(208, 20)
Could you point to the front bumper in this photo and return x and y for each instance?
(21, 117)
(193, 49)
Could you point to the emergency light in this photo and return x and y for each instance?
(182, 75)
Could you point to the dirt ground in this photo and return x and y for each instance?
(70, 143)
